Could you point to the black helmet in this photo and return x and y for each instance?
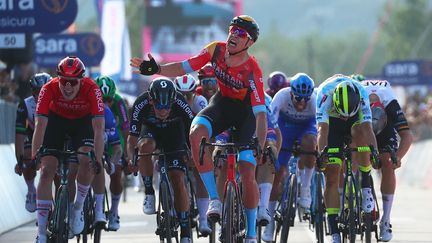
(162, 92)
(247, 23)
(39, 79)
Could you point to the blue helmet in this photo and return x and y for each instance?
(302, 85)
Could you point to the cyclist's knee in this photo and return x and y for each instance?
(47, 171)
(200, 127)
(247, 172)
(146, 145)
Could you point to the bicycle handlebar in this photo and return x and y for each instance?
(137, 155)
(65, 154)
(346, 151)
(253, 145)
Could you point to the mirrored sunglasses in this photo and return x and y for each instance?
(234, 30)
(162, 107)
(208, 81)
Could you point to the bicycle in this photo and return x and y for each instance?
(232, 221)
(286, 211)
(167, 222)
(58, 221)
(352, 219)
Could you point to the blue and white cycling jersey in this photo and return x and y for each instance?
(292, 123)
(324, 102)
(111, 133)
(283, 110)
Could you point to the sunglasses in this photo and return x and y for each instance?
(162, 107)
(208, 81)
(71, 82)
(234, 30)
(299, 98)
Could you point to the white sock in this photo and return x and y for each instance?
(387, 200)
(30, 186)
(43, 207)
(272, 208)
(301, 174)
(306, 179)
(115, 201)
(81, 194)
(99, 203)
(202, 204)
(265, 190)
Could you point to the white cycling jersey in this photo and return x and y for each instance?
(282, 108)
(381, 88)
(324, 102)
(199, 103)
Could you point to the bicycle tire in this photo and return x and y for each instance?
(97, 234)
(319, 210)
(212, 236)
(351, 213)
(165, 196)
(228, 215)
(367, 227)
(61, 217)
(290, 209)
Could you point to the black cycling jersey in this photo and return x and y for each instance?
(169, 134)
(396, 122)
(25, 117)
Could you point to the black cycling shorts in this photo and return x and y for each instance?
(340, 131)
(386, 137)
(224, 113)
(79, 130)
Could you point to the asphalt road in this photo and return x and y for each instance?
(411, 219)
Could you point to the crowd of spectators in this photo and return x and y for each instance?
(416, 109)
(14, 83)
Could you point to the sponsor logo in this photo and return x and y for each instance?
(254, 90)
(99, 99)
(91, 45)
(185, 107)
(227, 79)
(55, 6)
(323, 99)
(138, 109)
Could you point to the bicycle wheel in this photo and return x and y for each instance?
(290, 209)
(351, 211)
(167, 220)
(319, 209)
(97, 233)
(228, 215)
(88, 217)
(212, 236)
(61, 217)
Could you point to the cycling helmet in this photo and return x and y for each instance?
(71, 67)
(302, 85)
(379, 117)
(185, 83)
(277, 80)
(206, 72)
(107, 86)
(162, 92)
(346, 98)
(38, 80)
(247, 23)
(357, 77)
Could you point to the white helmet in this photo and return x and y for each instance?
(185, 83)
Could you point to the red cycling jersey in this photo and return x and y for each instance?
(88, 100)
(234, 82)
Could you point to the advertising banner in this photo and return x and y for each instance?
(51, 48)
(408, 72)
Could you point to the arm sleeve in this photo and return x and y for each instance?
(396, 116)
(257, 91)
(196, 62)
(44, 99)
(111, 127)
(21, 118)
(96, 101)
(123, 116)
(136, 116)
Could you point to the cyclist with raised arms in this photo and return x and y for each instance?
(239, 102)
(166, 117)
(208, 83)
(24, 128)
(294, 109)
(276, 81)
(343, 112)
(118, 108)
(187, 85)
(388, 121)
(70, 104)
